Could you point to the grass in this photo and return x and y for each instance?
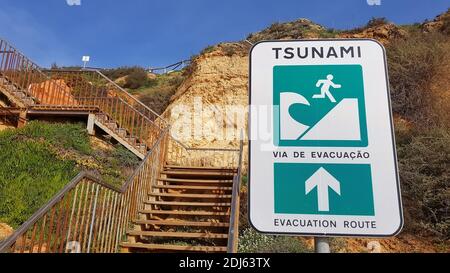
(250, 241)
(40, 159)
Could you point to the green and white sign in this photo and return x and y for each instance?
(311, 103)
(322, 149)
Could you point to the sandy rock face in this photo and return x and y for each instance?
(5, 231)
(383, 33)
(200, 110)
(440, 23)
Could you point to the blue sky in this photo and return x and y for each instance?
(159, 32)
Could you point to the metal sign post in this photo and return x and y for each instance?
(85, 60)
(322, 245)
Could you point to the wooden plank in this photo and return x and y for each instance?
(201, 168)
(192, 204)
(184, 187)
(175, 247)
(207, 181)
(180, 223)
(197, 173)
(183, 195)
(178, 234)
(182, 212)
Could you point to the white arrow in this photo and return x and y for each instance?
(322, 180)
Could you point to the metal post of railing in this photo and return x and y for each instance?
(94, 210)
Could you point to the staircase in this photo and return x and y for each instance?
(177, 199)
(17, 96)
(121, 135)
(188, 210)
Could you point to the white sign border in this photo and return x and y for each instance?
(397, 175)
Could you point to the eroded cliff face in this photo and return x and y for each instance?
(209, 110)
(383, 33)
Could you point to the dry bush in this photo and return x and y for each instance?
(412, 63)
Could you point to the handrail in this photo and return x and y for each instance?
(46, 208)
(120, 204)
(92, 87)
(172, 66)
(129, 95)
(233, 234)
(115, 86)
(26, 75)
(180, 154)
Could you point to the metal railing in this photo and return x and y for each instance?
(233, 234)
(91, 87)
(27, 77)
(88, 215)
(170, 68)
(180, 154)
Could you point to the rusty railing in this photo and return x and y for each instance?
(91, 87)
(180, 154)
(88, 215)
(27, 77)
(233, 234)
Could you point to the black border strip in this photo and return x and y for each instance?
(402, 221)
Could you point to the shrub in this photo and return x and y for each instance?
(136, 79)
(120, 72)
(375, 22)
(412, 62)
(253, 242)
(158, 100)
(207, 50)
(424, 162)
(124, 157)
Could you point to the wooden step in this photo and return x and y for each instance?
(183, 212)
(190, 204)
(180, 223)
(121, 132)
(177, 234)
(200, 168)
(183, 187)
(198, 173)
(174, 247)
(207, 181)
(182, 195)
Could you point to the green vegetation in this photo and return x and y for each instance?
(120, 72)
(423, 138)
(412, 63)
(377, 21)
(158, 96)
(251, 241)
(153, 90)
(299, 29)
(424, 158)
(41, 158)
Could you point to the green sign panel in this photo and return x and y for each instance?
(314, 99)
(324, 189)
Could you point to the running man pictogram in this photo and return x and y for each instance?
(325, 91)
